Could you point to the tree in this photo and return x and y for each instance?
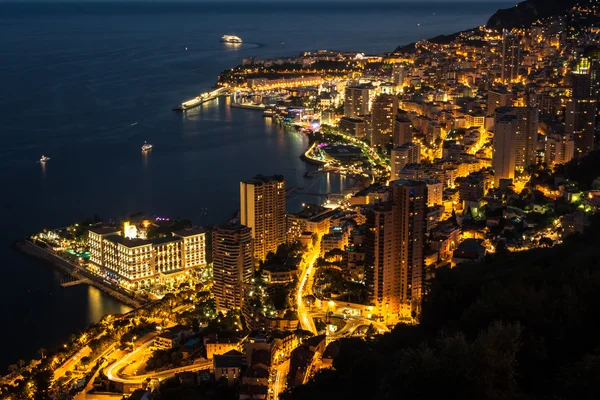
(371, 331)
(42, 352)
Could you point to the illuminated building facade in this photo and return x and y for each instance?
(401, 156)
(409, 220)
(503, 159)
(525, 134)
(383, 113)
(134, 263)
(379, 264)
(511, 51)
(262, 209)
(356, 102)
(402, 132)
(558, 149)
(233, 265)
(581, 111)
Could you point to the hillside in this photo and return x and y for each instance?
(527, 12)
(521, 326)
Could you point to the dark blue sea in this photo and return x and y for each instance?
(87, 83)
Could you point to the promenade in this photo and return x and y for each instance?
(29, 248)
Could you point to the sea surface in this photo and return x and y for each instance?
(87, 83)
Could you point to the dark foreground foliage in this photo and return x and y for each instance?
(520, 326)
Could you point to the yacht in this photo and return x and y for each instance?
(231, 39)
(146, 147)
(44, 159)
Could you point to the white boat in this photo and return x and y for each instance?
(44, 159)
(231, 39)
(146, 147)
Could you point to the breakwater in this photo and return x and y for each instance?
(32, 250)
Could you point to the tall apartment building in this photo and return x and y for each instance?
(498, 97)
(383, 114)
(233, 265)
(134, 263)
(579, 121)
(356, 102)
(503, 159)
(381, 275)
(402, 131)
(409, 215)
(526, 133)
(262, 209)
(401, 156)
(511, 49)
(558, 149)
(398, 75)
(581, 112)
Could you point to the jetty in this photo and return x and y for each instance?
(78, 273)
(200, 99)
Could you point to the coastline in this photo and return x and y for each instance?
(30, 249)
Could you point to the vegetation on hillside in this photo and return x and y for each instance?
(520, 326)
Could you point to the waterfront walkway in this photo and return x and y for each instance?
(31, 249)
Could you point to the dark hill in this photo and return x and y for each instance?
(527, 12)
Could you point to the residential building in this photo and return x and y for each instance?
(511, 50)
(356, 127)
(580, 114)
(402, 131)
(379, 253)
(262, 209)
(470, 250)
(233, 264)
(383, 114)
(503, 159)
(526, 133)
(398, 75)
(409, 222)
(408, 153)
(356, 102)
(498, 97)
(559, 148)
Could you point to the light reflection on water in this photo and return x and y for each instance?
(98, 306)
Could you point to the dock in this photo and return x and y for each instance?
(74, 282)
(77, 272)
(201, 99)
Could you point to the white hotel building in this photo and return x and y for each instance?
(137, 263)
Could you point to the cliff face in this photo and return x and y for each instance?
(526, 12)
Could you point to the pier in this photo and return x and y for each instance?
(201, 99)
(77, 272)
(74, 282)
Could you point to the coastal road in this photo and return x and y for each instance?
(114, 371)
(71, 362)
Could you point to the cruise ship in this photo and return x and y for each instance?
(146, 147)
(231, 39)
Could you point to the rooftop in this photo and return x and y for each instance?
(103, 230)
(261, 179)
(190, 232)
(131, 243)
